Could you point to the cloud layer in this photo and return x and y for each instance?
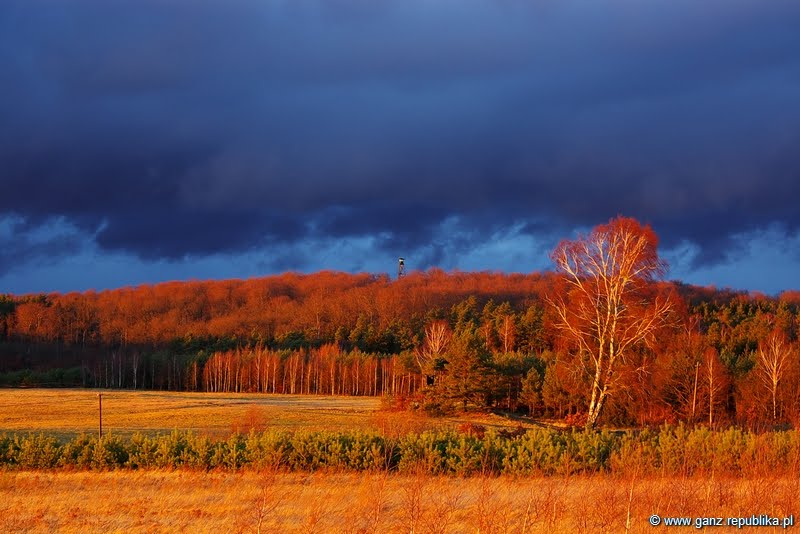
(169, 130)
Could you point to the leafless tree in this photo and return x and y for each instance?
(607, 309)
(714, 381)
(434, 346)
(773, 360)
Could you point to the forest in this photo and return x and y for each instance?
(361, 334)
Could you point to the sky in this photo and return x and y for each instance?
(152, 140)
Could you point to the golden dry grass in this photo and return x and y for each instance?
(187, 501)
(67, 412)
(70, 411)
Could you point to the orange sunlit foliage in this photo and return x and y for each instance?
(334, 333)
(607, 309)
(267, 307)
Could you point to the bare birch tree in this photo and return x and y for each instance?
(773, 361)
(437, 339)
(608, 309)
(715, 381)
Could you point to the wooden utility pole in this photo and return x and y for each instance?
(100, 407)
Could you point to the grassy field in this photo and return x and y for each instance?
(249, 500)
(187, 501)
(67, 412)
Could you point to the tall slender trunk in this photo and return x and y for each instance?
(694, 394)
(596, 402)
(774, 402)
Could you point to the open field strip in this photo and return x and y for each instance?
(191, 501)
(71, 411)
(66, 412)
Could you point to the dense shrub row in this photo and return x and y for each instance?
(668, 451)
(56, 377)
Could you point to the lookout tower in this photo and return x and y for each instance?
(401, 267)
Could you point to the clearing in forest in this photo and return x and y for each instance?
(67, 412)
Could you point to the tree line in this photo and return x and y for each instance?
(438, 340)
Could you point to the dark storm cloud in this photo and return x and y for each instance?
(171, 128)
(24, 244)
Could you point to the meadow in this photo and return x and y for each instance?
(298, 465)
(265, 501)
(69, 412)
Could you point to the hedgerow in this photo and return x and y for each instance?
(667, 450)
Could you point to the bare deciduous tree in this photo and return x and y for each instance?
(434, 346)
(715, 381)
(773, 360)
(607, 309)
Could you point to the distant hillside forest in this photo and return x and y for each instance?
(340, 334)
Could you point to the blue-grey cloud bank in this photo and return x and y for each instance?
(146, 140)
